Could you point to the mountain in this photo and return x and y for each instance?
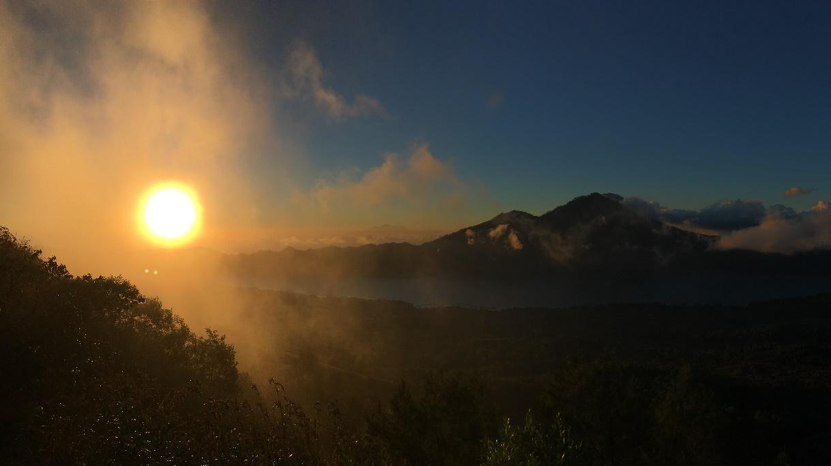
(591, 233)
(591, 250)
(594, 234)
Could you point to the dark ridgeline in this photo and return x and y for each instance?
(592, 250)
(594, 235)
(93, 372)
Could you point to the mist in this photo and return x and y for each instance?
(101, 101)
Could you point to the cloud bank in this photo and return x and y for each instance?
(726, 215)
(750, 225)
(804, 231)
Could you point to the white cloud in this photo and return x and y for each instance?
(780, 234)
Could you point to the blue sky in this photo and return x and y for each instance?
(686, 103)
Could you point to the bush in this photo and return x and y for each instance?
(534, 444)
(96, 373)
(443, 422)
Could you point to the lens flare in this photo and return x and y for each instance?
(170, 214)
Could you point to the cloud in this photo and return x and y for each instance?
(416, 187)
(821, 206)
(496, 234)
(643, 207)
(306, 79)
(513, 241)
(498, 231)
(470, 235)
(731, 215)
(652, 209)
(393, 179)
(797, 191)
(727, 215)
(779, 234)
(782, 211)
(100, 101)
(748, 224)
(376, 235)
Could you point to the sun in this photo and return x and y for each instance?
(170, 214)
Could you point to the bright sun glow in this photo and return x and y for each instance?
(170, 214)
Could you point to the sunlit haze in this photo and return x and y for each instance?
(170, 215)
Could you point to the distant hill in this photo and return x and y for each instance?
(593, 233)
(592, 237)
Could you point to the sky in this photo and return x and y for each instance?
(297, 121)
(683, 102)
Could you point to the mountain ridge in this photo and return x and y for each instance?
(595, 233)
(594, 249)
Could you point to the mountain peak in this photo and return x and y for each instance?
(581, 210)
(514, 216)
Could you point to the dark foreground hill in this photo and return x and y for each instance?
(765, 363)
(96, 373)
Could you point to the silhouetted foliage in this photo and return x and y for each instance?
(442, 422)
(534, 444)
(628, 416)
(93, 372)
(603, 402)
(688, 423)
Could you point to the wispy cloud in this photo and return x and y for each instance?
(749, 224)
(306, 80)
(797, 191)
(375, 235)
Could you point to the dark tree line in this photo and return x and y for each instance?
(95, 373)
